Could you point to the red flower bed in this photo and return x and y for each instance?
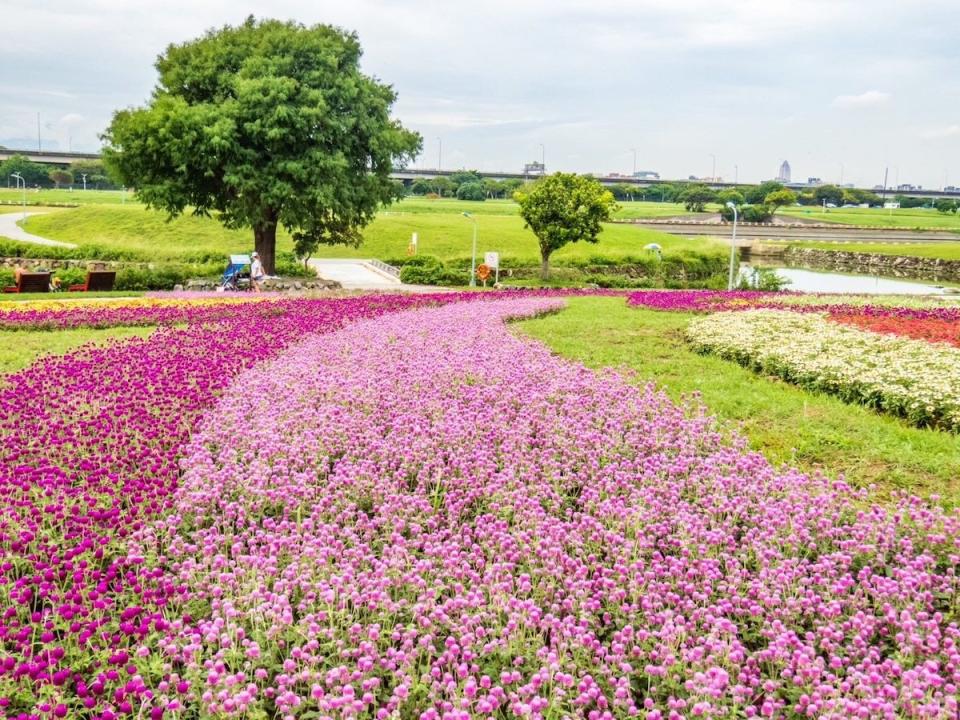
(929, 329)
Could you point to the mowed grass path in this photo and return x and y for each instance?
(945, 250)
(137, 233)
(67, 197)
(878, 217)
(788, 425)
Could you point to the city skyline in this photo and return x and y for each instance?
(674, 89)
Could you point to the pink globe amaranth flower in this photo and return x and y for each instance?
(478, 487)
(96, 459)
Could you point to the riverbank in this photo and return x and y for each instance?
(913, 267)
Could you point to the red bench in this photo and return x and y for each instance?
(97, 281)
(30, 282)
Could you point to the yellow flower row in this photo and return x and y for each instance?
(67, 303)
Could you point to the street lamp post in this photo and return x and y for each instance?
(713, 172)
(439, 153)
(543, 159)
(634, 151)
(21, 182)
(733, 244)
(84, 176)
(473, 255)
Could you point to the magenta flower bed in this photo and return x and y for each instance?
(88, 453)
(720, 300)
(414, 513)
(445, 524)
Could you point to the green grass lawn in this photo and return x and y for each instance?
(947, 250)
(19, 348)
(878, 217)
(74, 197)
(788, 425)
(72, 296)
(136, 233)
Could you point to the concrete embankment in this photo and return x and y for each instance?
(918, 268)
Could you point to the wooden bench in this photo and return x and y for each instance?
(97, 281)
(30, 282)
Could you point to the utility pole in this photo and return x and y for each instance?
(543, 160)
(439, 153)
(713, 172)
(886, 170)
(39, 142)
(634, 161)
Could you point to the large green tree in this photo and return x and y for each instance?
(269, 123)
(564, 208)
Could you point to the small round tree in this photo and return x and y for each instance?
(778, 199)
(269, 123)
(564, 208)
(471, 191)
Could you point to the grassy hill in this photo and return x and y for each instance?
(131, 232)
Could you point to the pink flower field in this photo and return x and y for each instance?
(399, 507)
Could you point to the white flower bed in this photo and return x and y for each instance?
(912, 378)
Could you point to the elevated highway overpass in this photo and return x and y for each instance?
(409, 175)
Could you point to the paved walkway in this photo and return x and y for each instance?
(356, 275)
(10, 229)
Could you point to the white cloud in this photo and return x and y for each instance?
(870, 98)
(942, 132)
(71, 119)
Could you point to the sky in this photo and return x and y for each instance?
(842, 89)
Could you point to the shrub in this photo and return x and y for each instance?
(471, 191)
(151, 279)
(428, 270)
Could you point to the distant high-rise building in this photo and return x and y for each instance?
(784, 175)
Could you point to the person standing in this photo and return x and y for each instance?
(257, 274)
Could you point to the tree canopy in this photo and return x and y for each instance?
(756, 194)
(695, 197)
(263, 124)
(32, 173)
(779, 198)
(563, 208)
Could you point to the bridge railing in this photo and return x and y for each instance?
(384, 267)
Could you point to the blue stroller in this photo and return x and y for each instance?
(237, 274)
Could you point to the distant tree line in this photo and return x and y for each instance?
(44, 176)
(466, 185)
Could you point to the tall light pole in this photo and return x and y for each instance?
(713, 172)
(22, 183)
(543, 160)
(634, 151)
(84, 176)
(439, 153)
(473, 255)
(736, 174)
(733, 244)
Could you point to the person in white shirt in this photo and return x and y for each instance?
(257, 273)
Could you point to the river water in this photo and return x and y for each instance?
(831, 282)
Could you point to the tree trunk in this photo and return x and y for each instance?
(265, 243)
(544, 265)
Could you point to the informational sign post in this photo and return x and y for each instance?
(492, 260)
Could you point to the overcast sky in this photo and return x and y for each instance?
(826, 84)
